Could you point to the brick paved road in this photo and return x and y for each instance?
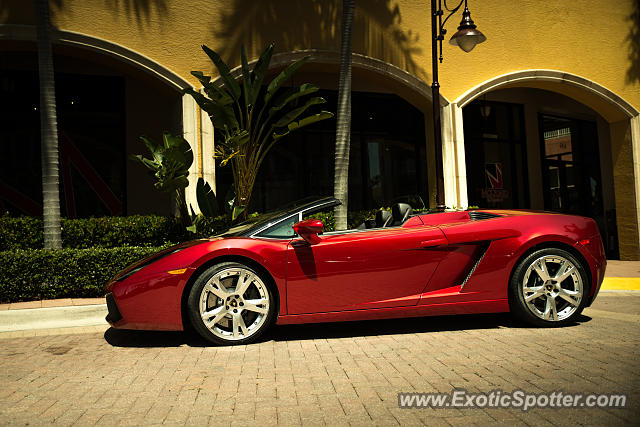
(346, 373)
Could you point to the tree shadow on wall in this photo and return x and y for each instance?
(316, 24)
(140, 10)
(23, 12)
(633, 39)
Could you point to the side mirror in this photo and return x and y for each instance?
(309, 230)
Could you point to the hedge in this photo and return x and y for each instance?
(104, 232)
(77, 271)
(136, 230)
(64, 273)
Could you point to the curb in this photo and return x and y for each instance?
(621, 283)
(52, 318)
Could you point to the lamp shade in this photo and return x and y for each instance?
(467, 37)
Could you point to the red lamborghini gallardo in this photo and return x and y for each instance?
(281, 268)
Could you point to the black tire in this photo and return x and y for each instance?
(233, 310)
(548, 296)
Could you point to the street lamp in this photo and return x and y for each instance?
(467, 37)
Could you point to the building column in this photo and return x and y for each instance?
(208, 166)
(626, 174)
(453, 158)
(635, 152)
(448, 158)
(461, 162)
(190, 132)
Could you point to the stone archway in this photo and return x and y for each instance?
(191, 119)
(623, 121)
(84, 41)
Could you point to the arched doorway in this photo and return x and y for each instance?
(107, 96)
(552, 141)
(391, 152)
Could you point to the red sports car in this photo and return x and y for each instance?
(281, 268)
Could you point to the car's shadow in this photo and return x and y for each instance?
(129, 338)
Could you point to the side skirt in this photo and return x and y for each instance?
(471, 307)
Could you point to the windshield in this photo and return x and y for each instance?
(259, 222)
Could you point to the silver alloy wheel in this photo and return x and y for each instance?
(234, 303)
(552, 288)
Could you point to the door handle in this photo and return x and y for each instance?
(436, 241)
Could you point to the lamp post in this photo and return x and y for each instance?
(467, 37)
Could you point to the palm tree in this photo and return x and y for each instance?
(48, 129)
(343, 122)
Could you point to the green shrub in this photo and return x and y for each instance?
(208, 226)
(105, 232)
(135, 230)
(95, 250)
(112, 232)
(21, 232)
(65, 273)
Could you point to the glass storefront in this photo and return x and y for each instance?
(497, 172)
(91, 120)
(495, 155)
(571, 173)
(387, 157)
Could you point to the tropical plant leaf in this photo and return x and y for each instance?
(170, 184)
(258, 73)
(201, 77)
(291, 95)
(171, 141)
(207, 201)
(293, 126)
(149, 164)
(200, 99)
(247, 137)
(178, 160)
(293, 114)
(238, 139)
(230, 83)
(229, 199)
(228, 157)
(247, 82)
(279, 80)
(237, 210)
(212, 90)
(153, 148)
(222, 115)
(177, 150)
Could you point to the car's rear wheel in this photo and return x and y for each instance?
(230, 303)
(548, 288)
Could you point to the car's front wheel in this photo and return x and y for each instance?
(230, 303)
(548, 288)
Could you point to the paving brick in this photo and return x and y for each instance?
(75, 376)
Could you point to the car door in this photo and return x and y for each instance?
(365, 269)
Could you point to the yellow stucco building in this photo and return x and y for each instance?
(543, 115)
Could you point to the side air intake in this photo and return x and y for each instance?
(477, 215)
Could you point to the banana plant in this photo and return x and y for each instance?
(207, 201)
(253, 115)
(169, 165)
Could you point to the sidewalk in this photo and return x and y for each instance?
(90, 312)
(52, 314)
